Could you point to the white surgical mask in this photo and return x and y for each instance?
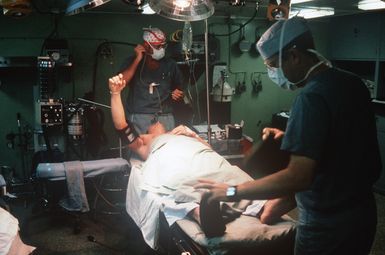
(278, 77)
(157, 54)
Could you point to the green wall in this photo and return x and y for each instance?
(84, 32)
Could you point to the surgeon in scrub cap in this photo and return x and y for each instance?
(283, 36)
(155, 83)
(332, 141)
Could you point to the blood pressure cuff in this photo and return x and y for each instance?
(128, 134)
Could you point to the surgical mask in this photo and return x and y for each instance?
(157, 54)
(278, 77)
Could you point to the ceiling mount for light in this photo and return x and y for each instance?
(183, 10)
(16, 8)
(78, 6)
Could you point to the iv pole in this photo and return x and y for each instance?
(207, 82)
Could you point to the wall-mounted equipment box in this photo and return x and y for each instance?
(51, 113)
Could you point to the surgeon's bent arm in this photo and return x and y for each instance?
(296, 177)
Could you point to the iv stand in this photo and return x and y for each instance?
(105, 106)
(207, 82)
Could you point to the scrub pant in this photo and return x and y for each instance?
(340, 237)
(142, 121)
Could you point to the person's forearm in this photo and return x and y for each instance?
(130, 71)
(272, 186)
(283, 183)
(117, 111)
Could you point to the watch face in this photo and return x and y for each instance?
(231, 191)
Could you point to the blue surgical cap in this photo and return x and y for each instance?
(269, 43)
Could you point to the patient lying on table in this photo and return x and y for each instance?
(177, 160)
(174, 162)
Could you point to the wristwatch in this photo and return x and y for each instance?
(231, 192)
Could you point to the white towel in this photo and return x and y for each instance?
(76, 199)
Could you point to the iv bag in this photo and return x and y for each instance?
(187, 37)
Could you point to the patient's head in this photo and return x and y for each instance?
(142, 144)
(156, 129)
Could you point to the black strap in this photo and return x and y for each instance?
(128, 134)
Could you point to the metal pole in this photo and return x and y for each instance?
(92, 102)
(207, 82)
(120, 147)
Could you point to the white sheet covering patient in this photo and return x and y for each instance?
(165, 181)
(176, 162)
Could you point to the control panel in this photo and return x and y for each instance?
(51, 113)
(46, 76)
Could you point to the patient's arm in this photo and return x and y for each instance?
(116, 84)
(183, 130)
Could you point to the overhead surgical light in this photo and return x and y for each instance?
(78, 6)
(371, 5)
(182, 3)
(146, 9)
(311, 12)
(300, 1)
(183, 10)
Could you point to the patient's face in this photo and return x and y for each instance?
(156, 129)
(143, 143)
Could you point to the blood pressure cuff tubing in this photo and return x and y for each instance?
(128, 134)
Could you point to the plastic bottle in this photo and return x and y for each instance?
(187, 37)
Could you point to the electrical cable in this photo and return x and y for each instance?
(93, 240)
(190, 98)
(159, 100)
(54, 33)
(102, 196)
(96, 60)
(241, 26)
(141, 70)
(145, 84)
(197, 94)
